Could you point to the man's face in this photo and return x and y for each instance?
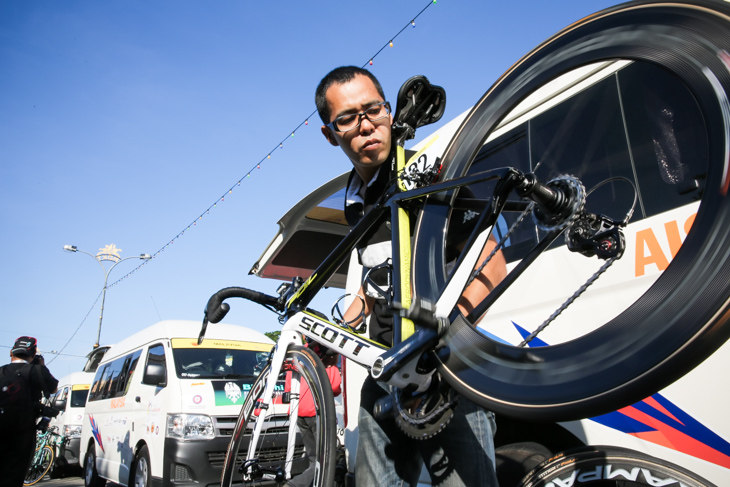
(368, 145)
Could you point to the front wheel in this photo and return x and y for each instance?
(140, 473)
(605, 466)
(42, 463)
(270, 452)
(91, 476)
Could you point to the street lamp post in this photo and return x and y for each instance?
(108, 253)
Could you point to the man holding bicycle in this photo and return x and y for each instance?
(357, 119)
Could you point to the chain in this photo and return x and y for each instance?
(499, 245)
(570, 301)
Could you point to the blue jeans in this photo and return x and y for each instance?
(460, 455)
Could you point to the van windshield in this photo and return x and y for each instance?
(219, 363)
(78, 398)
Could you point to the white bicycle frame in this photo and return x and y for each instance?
(351, 345)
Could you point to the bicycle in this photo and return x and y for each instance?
(44, 456)
(679, 321)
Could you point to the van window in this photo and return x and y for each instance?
(78, 396)
(112, 379)
(218, 359)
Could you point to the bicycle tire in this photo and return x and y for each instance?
(39, 470)
(683, 315)
(608, 466)
(309, 366)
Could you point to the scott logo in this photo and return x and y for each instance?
(338, 338)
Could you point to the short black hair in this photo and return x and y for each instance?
(341, 75)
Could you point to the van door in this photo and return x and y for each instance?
(110, 417)
(152, 401)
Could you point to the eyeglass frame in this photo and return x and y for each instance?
(360, 116)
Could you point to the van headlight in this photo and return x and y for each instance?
(190, 427)
(72, 431)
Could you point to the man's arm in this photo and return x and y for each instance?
(490, 276)
(359, 308)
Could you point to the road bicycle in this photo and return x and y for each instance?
(438, 353)
(45, 455)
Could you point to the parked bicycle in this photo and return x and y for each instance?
(47, 443)
(616, 358)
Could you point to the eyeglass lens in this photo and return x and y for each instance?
(373, 114)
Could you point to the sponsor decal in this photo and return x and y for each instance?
(469, 214)
(197, 399)
(648, 251)
(221, 344)
(233, 392)
(95, 432)
(230, 393)
(117, 402)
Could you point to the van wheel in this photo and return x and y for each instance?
(608, 466)
(141, 468)
(91, 476)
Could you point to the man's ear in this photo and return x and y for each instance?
(327, 132)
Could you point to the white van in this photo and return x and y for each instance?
(70, 399)
(161, 408)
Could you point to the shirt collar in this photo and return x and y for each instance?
(355, 191)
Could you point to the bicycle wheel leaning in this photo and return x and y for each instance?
(42, 463)
(631, 53)
(608, 466)
(269, 459)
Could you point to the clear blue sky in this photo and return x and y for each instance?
(122, 121)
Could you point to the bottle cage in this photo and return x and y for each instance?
(374, 285)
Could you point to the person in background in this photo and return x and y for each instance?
(23, 381)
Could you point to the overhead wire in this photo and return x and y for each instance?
(278, 146)
(221, 199)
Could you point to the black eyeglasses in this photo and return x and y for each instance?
(345, 123)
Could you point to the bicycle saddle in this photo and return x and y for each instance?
(419, 103)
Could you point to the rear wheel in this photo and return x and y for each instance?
(42, 463)
(619, 84)
(270, 459)
(609, 467)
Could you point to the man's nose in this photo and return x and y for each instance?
(366, 126)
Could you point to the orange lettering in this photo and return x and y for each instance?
(645, 239)
(675, 241)
(689, 222)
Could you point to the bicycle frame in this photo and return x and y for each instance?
(395, 366)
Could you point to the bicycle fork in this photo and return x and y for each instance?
(250, 467)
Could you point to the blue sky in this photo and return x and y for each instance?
(122, 122)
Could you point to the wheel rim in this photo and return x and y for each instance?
(141, 472)
(272, 447)
(89, 471)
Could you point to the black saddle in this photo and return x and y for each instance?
(419, 103)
